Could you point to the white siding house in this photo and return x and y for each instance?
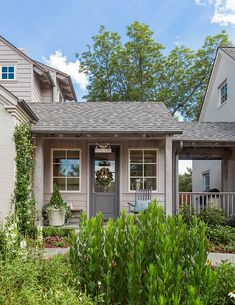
(218, 106)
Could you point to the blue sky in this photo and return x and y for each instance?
(53, 31)
(44, 27)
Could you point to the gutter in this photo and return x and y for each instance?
(28, 110)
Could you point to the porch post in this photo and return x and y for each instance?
(38, 177)
(175, 181)
(168, 176)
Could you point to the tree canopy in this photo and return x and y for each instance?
(137, 70)
(185, 181)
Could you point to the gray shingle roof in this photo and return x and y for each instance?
(207, 131)
(230, 51)
(107, 117)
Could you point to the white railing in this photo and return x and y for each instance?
(200, 201)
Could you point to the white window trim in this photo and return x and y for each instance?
(80, 169)
(203, 180)
(7, 64)
(157, 168)
(219, 93)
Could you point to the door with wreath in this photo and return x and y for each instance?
(105, 181)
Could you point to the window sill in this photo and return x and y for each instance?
(221, 105)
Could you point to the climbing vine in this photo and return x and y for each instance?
(23, 200)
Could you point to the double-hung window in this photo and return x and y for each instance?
(223, 93)
(143, 169)
(206, 181)
(66, 169)
(7, 72)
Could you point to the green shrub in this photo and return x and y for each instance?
(231, 220)
(225, 283)
(39, 282)
(187, 212)
(149, 260)
(54, 231)
(57, 202)
(213, 216)
(221, 234)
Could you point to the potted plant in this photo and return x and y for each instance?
(57, 209)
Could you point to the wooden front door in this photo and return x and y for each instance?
(105, 182)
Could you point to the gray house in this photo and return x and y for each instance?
(138, 144)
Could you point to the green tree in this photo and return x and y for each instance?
(185, 181)
(137, 70)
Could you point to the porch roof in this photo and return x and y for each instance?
(207, 132)
(104, 117)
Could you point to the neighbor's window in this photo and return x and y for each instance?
(223, 93)
(143, 169)
(66, 169)
(206, 182)
(7, 72)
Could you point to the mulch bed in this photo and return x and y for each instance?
(55, 242)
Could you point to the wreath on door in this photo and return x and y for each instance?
(104, 177)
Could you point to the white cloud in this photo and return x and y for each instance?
(223, 10)
(60, 62)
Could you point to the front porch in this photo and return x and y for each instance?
(201, 200)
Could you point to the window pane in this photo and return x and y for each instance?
(4, 75)
(149, 156)
(59, 170)
(11, 69)
(136, 184)
(150, 183)
(150, 170)
(73, 184)
(58, 155)
(136, 156)
(60, 182)
(11, 75)
(136, 170)
(73, 168)
(72, 154)
(4, 69)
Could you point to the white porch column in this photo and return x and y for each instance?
(38, 177)
(168, 176)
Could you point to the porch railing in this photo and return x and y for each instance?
(200, 201)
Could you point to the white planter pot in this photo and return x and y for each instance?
(56, 218)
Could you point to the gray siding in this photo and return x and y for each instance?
(211, 166)
(21, 87)
(46, 95)
(81, 199)
(36, 89)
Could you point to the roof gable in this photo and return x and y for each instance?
(221, 56)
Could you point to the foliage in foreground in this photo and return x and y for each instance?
(221, 237)
(29, 280)
(149, 260)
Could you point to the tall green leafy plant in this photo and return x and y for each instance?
(23, 201)
(149, 260)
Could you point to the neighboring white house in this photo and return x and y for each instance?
(218, 106)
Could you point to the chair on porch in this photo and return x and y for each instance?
(142, 200)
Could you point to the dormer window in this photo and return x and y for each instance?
(223, 93)
(7, 72)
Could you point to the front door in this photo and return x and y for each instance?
(105, 182)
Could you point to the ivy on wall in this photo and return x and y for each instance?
(23, 201)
